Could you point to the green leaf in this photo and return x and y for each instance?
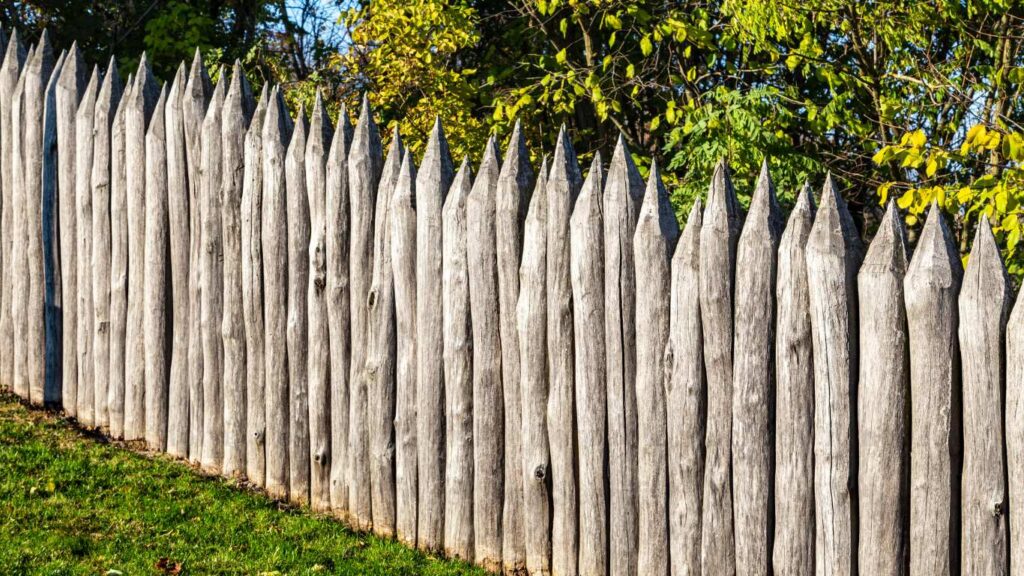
(645, 45)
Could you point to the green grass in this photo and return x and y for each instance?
(71, 503)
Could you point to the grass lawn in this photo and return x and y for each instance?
(72, 503)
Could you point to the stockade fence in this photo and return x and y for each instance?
(535, 372)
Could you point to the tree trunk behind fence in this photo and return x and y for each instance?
(118, 287)
(10, 71)
(83, 249)
(794, 409)
(50, 235)
(297, 332)
(984, 305)
(884, 402)
(586, 242)
(432, 183)
(458, 372)
(686, 402)
(1015, 432)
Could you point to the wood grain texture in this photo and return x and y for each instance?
(118, 282)
(19, 266)
(298, 326)
(50, 245)
(83, 248)
(1015, 433)
(10, 71)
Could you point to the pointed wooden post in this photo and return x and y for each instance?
(339, 306)
(118, 282)
(686, 401)
(364, 172)
(432, 183)
(586, 240)
(234, 122)
(719, 233)
(137, 117)
(298, 333)
(1015, 432)
(19, 265)
(252, 295)
(794, 398)
(488, 413)
(156, 305)
(274, 237)
(623, 193)
(833, 256)
(10, 71)
(50, 246)
(178, 239)
(984, 305)
(83, 249)
(403, 265)
(320, 134)
(458, 372)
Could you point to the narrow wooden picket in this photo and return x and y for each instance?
(10, 72)
(85, 408)
(297, 332)
(117, 284)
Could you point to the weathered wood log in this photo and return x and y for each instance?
(83, 248)
(488, 413)
(156, 303)
(562, 187)
(719, 233)
(364, 171)
(984, 304)
(252, 295)
(458, 371)
(531, 324)
(234, 122)
(379, 371)
(70, 87)
(432, 183)
(178, 239)
(753, 398)
(193, 109)
(883, 410)
(657, 233)
(107, 103)
(794, 400)
(10, 71)
(277, 130)
(403, 265)
(686, 402)
(586, 265)
(298, 333)
(50, 246)
(317, 145)
(339, 306)
(623, 193)
(1015, 432)
(19, 267)
(833, 256)
(138, 113)
(118, 282)
(514, 182)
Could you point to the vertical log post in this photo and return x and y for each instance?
(83, 248)
(10, 71)
(297, 332)
(117, 305)
(19, 266)
(50, 247)
(1015, 432)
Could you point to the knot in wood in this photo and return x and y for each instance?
(997, 508)
(540, 472)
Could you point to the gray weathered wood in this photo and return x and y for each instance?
(19, 266)
(277, 130)
(118, 283)
(753, 424)
(488, 413)
(562, 187)
(10, 71)
(685, 402)
(403, 265)
(50, 246)
(719, 233)
(432, 183)
(156, 301)
(833, 256)
(83, 248)
(623, 193)
(252, 295)
(794, 399)
(298, 333)
(984, 304)
(458, 371)
(235, 117)
(1015, 432)
(513, 190)
(364, 171)
(586, 265)
(317, 146)
(657, 233)
(883, 408)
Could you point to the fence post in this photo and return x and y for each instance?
(1015, 429)
(794, 408)
(10, 72)
(984, 304)
(623, 193)
(458, 372)
(686, 401)
(884, 402)
(432, 184)
(403, 263)
(719, 233)
(586, 266)
(53, 353)
(19, 269)
(320, 134)
(83, 250)
(833, 256)
(234, 122)
(297, 333)
(117, 304)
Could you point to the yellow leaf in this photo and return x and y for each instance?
(645, 45)
(560, 57)
(906, 199)
(918, 139)
(974, 132)
(655, 122)
(932, 166)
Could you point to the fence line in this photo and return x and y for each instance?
(536, 372)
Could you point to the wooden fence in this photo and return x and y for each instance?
(536, 373)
